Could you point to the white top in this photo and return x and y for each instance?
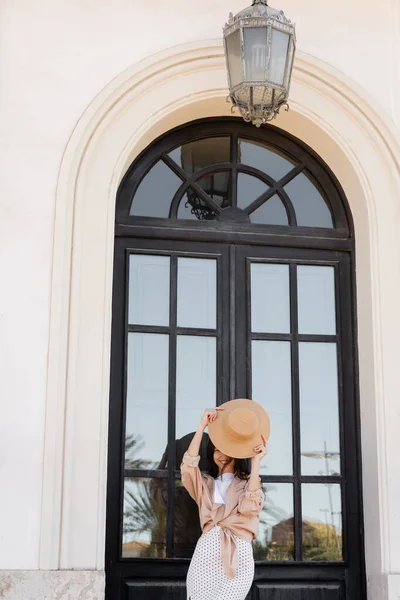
(220, 488)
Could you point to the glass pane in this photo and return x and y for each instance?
(279, 50)
(218, 187)
(196, 378)
(146, 400)
(249, 188)
(270, 302)
(316, 299)
(272, 212)
(319, 410)
(155, 192)
(194, 156)
(255, 52)
(264, 158)
(310, 207)
(272, 388)
(145, 518)
(197, 293)
(193, 207)
(322, 522)
(234, 52)
(187, 528)
(275, 537)
(148, 289)
(290, 62)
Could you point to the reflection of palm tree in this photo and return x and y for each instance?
(133, 445)
(142, 515)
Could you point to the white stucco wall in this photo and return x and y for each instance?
(55, 57)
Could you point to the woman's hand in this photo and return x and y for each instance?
(261, 450)
(210, 414)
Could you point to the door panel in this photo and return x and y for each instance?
(150, 590)
(298, 591)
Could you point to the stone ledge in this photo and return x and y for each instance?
(52, 585)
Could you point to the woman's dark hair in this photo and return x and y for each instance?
(241, 465)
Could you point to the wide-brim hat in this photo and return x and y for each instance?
(238, 428)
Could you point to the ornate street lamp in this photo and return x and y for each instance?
(260, 44)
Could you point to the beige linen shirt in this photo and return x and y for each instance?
(237, 517)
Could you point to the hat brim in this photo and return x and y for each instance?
(230, 446)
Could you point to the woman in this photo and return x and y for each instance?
(229, 500)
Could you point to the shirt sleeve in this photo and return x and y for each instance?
(191, 476)
(251, 502)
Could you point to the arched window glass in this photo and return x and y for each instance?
(233, 178)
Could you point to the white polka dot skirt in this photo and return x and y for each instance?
(206, 579)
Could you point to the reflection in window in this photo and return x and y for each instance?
(197, 293)
(316, 299)
(154, 194)
(218, 187)
(196, 380)
(196, 155)
(145, 518)
(148, 289)
(270, 299)
(249, 188)
(309, 205)
(319, 410)
(275, 537)
(264, 158)
(272, 388)
(272, 212)
(193, 207)
(322, 522)
(147, 398)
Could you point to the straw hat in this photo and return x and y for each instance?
(237, 429)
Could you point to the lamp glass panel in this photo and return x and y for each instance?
(279, 51)
(256, 53)
(234, 52)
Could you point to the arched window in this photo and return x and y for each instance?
(233, 278)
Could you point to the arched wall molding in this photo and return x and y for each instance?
(330, 113)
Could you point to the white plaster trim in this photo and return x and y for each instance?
(190, 81)
(52, 585)
(394, 27)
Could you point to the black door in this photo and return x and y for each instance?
(233, 278)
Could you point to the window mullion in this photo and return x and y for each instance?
(172, 406)
(296, 414)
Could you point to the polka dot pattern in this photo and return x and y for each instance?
(206, 579)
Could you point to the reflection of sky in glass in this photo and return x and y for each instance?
(316, 299)
(195, 381)
(197, 293)
(264, 159)
(310, 207)
(249, 188)
(319, 409)
(147, 395)
(159, 185)
(272, 389)
(148, 290)
(322, 503)
(270, 311)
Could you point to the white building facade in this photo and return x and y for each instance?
(85, 88)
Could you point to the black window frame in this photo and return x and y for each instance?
(235, 242)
